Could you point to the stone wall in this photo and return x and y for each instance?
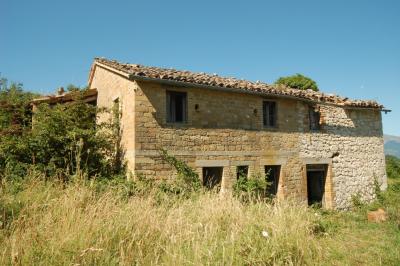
(224, 131)
(353, 139)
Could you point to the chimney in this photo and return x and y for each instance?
(60, 91)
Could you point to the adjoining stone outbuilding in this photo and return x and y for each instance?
(316, 147)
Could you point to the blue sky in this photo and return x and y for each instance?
(351, 48)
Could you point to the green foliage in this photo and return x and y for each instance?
(65, 138)
(298, 81)
(324, 227)
(187, 178)
(13, 93)
(357, 201)
(15, 122)
(393, 167)
(73, 88)
(108, 222)
(123, 187)
(389, 200)
(15, 110)
(254, 187)
(377, 189)
(63, 141)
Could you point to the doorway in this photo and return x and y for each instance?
(272, 173)
(316, 178)
(212, 177)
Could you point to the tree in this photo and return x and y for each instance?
(15, 122)
(15, 110)
(298, 81)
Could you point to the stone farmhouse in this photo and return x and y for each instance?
(316, 147)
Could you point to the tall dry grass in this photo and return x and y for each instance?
(76, 224)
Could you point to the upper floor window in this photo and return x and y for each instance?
(176, 107)
(269, 114)
(314, 117)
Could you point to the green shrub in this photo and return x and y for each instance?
(64, 140)
(356, 201)
(393, 167)
(187, 179)
(15, 121)
(254, 187)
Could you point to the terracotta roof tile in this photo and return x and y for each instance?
(135, 70)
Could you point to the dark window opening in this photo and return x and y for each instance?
(176, 107)
(269, 114)
(314, 117)
(272, 173)
(316, 176)
(212, 176)
(242, 171)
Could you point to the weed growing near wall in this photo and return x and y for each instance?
(187, 180)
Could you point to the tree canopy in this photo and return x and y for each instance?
(298, 81)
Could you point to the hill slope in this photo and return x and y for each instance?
(392, 145)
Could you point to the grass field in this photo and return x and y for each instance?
(92, 223)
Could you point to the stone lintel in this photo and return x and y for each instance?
(212, 163)
(312, 160)
(238, 163)
(273, 161)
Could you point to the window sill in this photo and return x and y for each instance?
(270, 128)
(176, 124)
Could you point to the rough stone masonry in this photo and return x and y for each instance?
(326, 148)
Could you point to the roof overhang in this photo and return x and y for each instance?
(87, 96)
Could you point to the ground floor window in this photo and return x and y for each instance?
(212, 176)
(242, 171)
(272, 173)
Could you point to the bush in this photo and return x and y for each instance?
(252, 188)
(63, 141)
(15, 121)
(186, 181)
(66, 140)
